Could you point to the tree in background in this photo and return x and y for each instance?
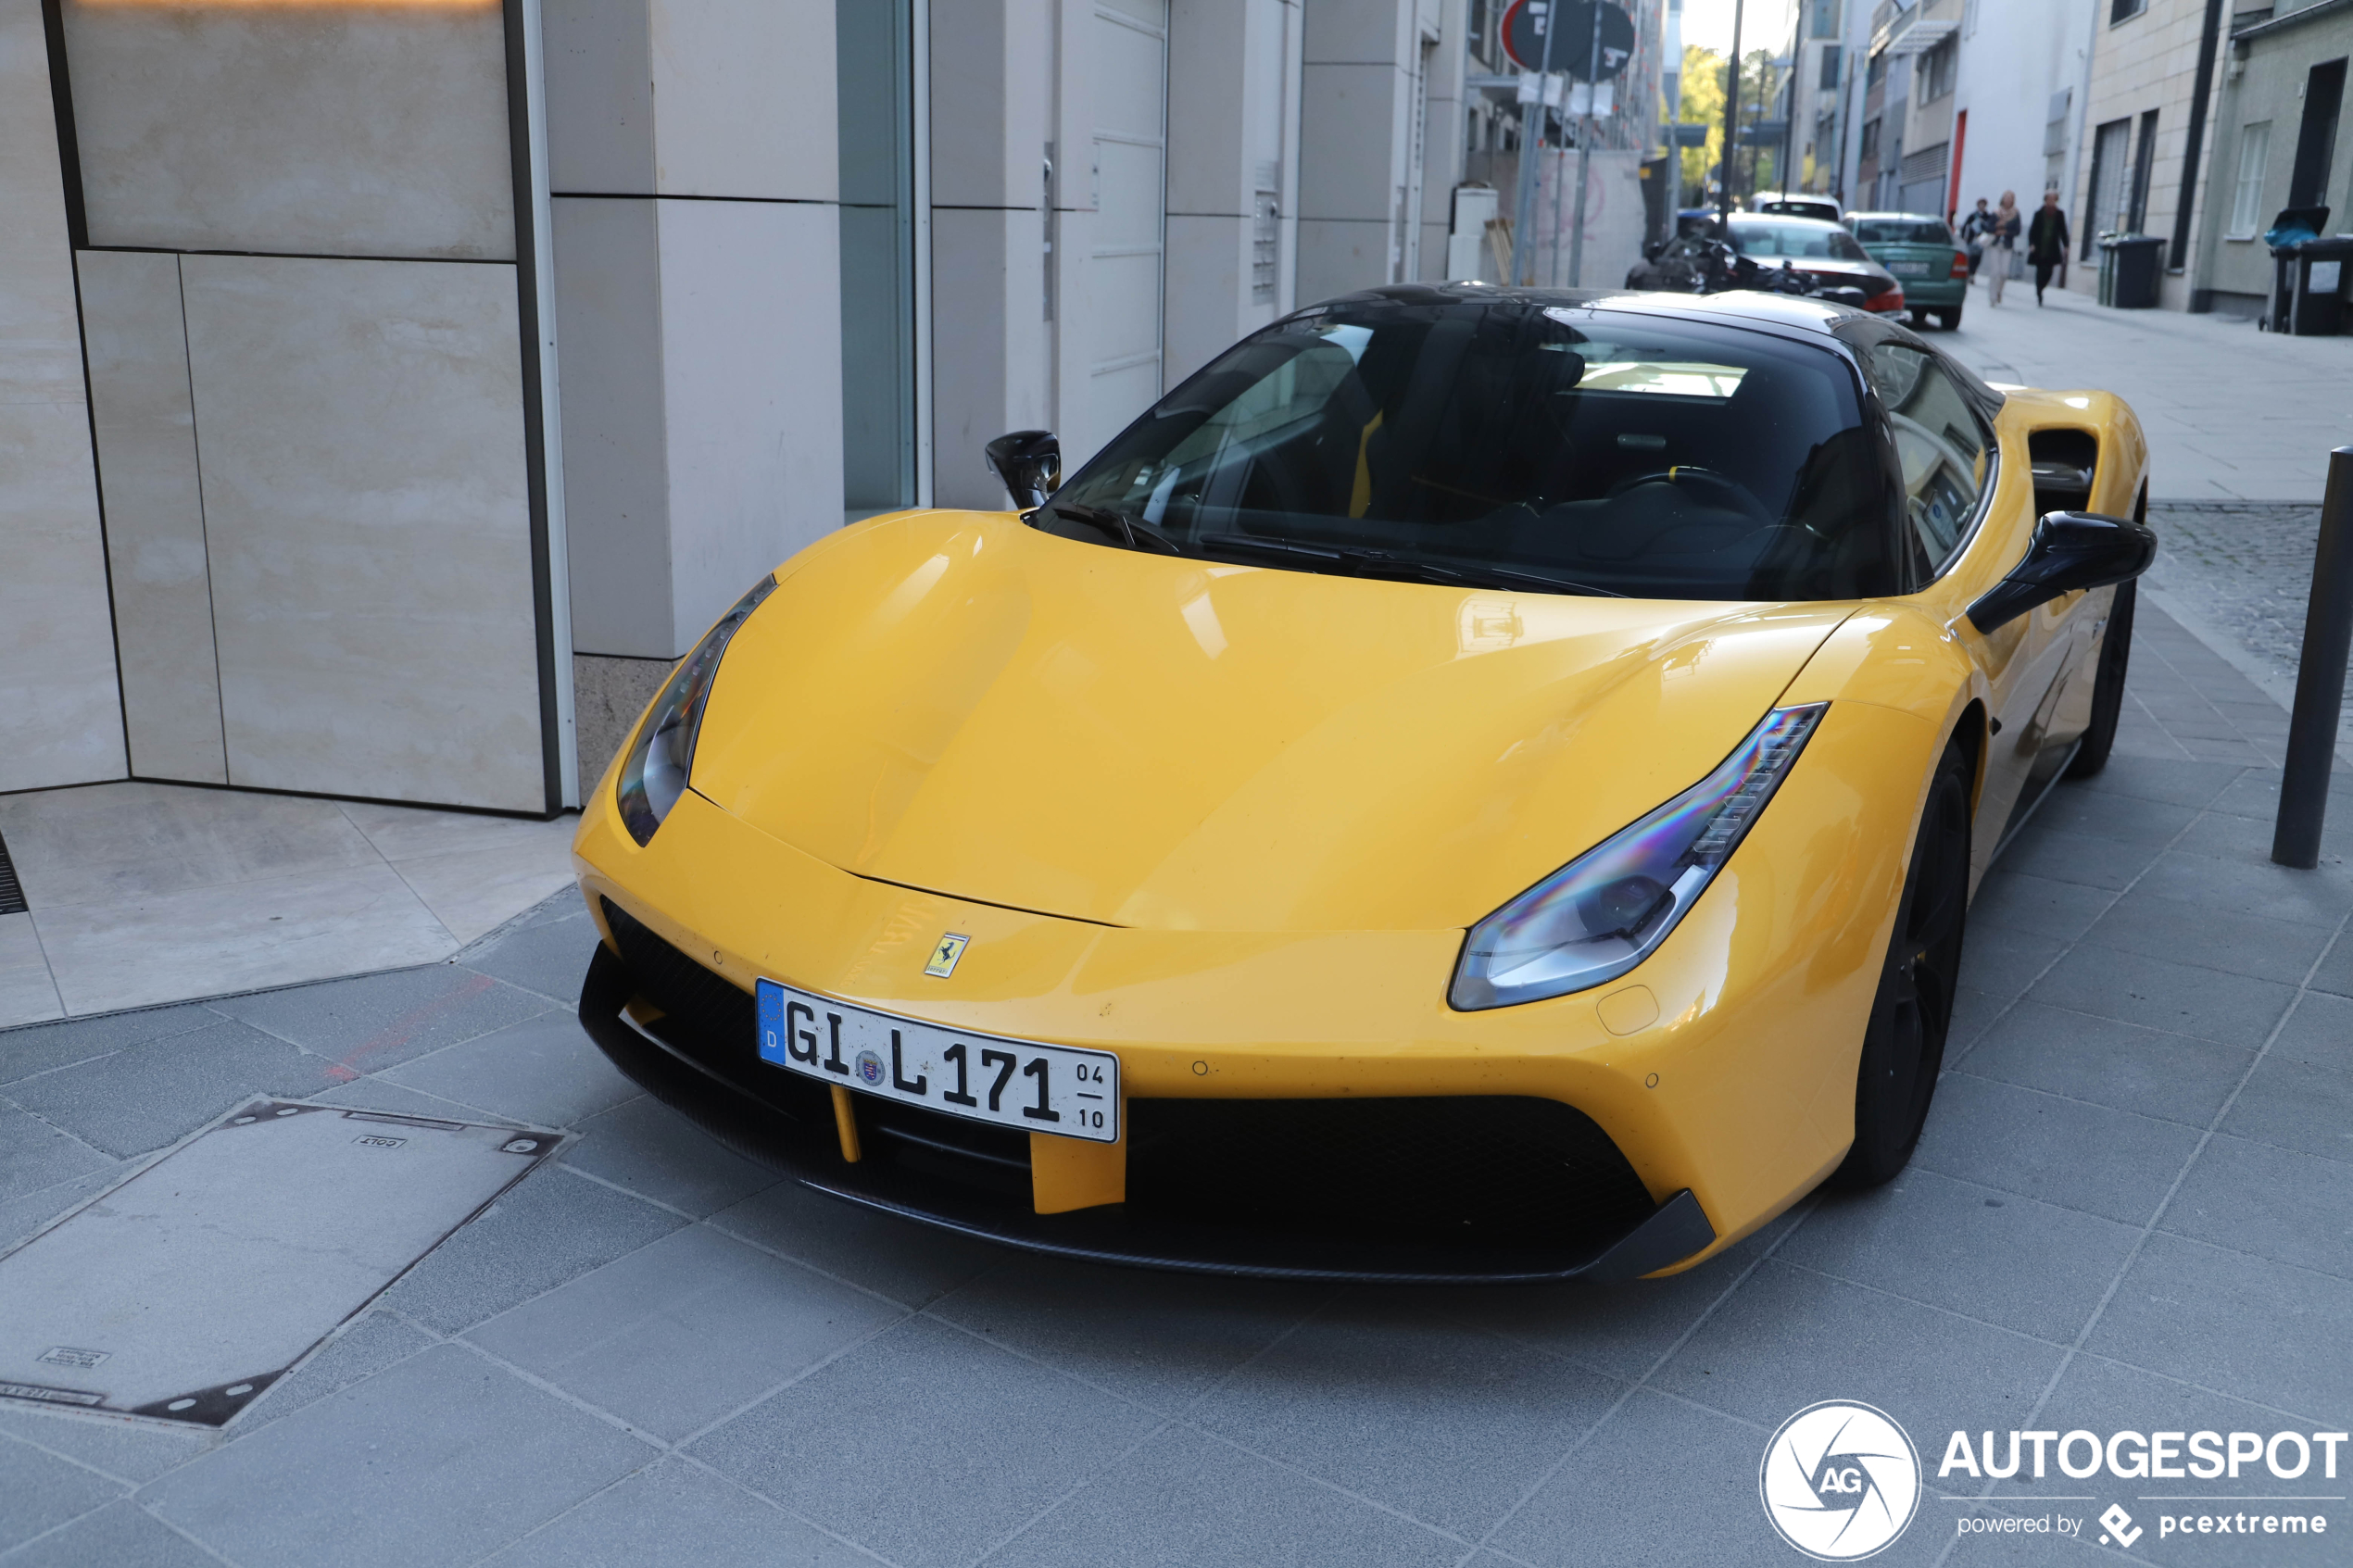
(1702, 104)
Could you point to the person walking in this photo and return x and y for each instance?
(2001, 244)
(1973, 229)
(2047, 244)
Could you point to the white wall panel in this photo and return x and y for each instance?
(600, 96)
(752, 379)
(372, 596)
(746, 89)
(334, 130)
(60, 713)
(138, 356)
(616, 457)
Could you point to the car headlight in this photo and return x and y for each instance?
(663, 750)
(1604, 911)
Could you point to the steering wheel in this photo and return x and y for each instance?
(1732, 492)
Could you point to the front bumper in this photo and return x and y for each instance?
(1200, 1198)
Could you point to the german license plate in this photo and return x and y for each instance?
(1908, 268)
(1017, 1083)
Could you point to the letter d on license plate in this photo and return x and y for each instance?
(1017, 1083)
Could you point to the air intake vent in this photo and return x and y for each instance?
(11, 891)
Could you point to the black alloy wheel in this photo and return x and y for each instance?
(1904, 1043)
(2108, 686)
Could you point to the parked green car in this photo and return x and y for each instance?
(1920, 252)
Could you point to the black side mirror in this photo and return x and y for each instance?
(2069, 550)
(1030, 462)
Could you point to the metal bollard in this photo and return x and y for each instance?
(2319, 677)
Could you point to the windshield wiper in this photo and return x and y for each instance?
(1377, 563)
(1132, 531)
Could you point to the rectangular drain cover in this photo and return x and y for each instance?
(194, 1286)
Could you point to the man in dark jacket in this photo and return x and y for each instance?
(2046, 242)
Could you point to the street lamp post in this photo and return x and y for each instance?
(1731, 119)
(1584, 156)
(1531, 126)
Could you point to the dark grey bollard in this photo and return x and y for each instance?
(2319, 678)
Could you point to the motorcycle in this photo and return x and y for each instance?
(1721, 270)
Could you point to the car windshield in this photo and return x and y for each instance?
(1801, 238)
(1902, 232)
(1511, 443)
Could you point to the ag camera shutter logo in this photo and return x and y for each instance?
(1840, 1481)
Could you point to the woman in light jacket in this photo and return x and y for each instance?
(2001, 242)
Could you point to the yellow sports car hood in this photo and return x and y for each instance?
(956, 702)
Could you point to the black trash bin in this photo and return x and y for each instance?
(2128, 270)
(2315, 285)
(2287, 236)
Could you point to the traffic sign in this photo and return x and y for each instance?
(1524, 26)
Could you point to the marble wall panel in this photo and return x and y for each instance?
(365, 496)
(616, 461)
(746, 96)
(752, 389)
(371, 130)
(137, 348)
(60, 710)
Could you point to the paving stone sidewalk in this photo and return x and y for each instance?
(2129, 1212)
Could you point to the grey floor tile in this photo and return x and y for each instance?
(906, 1261)
(2121, 818)
(2245, 1326)
(131, 1451)
(2002, 962)
(673, 1514)
(1621, 1330)
(1974, 1013)
(378, 1094)
(2253, 886)
(2335, 974)
(2320, 1033)
(2296, 1105)
(364, 1348)
(2221, 837)
(1928, 1236)
(1760, 1356)
(21, 1218)
(1613, 1502)
(2256, 1197)
(34, 1155)
(1158, 1339)
(2150, 1074)
(548, 956)
(925, 1445)
(2175, 783)
(154, 1093)
(1185, 1498)
(2256, 796)
(373, 1022)
(2056, 855)
(649, 1149)
(2155, 927)
(441, 1460)
(2037, 905)
(552, 1227)
(678, 1333)
(2104, 1161)
(40, 1047)
(2233, 1009)
(1382, 1394)
(121, 1535)
(40, 1491)
(544, 1070)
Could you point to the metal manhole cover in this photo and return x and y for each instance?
(192, 1286)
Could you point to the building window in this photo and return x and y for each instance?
(1876, 71)
(2125, 10)
(1870, 139)
(2247, 204)
(1936, 70)
(1826, 18)
(1831, 62)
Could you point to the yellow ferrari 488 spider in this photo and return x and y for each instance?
(1475, 784)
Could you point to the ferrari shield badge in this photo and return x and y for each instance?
(943, 957)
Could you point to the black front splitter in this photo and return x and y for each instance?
(806, 1150)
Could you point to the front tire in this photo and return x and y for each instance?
(2108, 686)
(1904, 1042)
